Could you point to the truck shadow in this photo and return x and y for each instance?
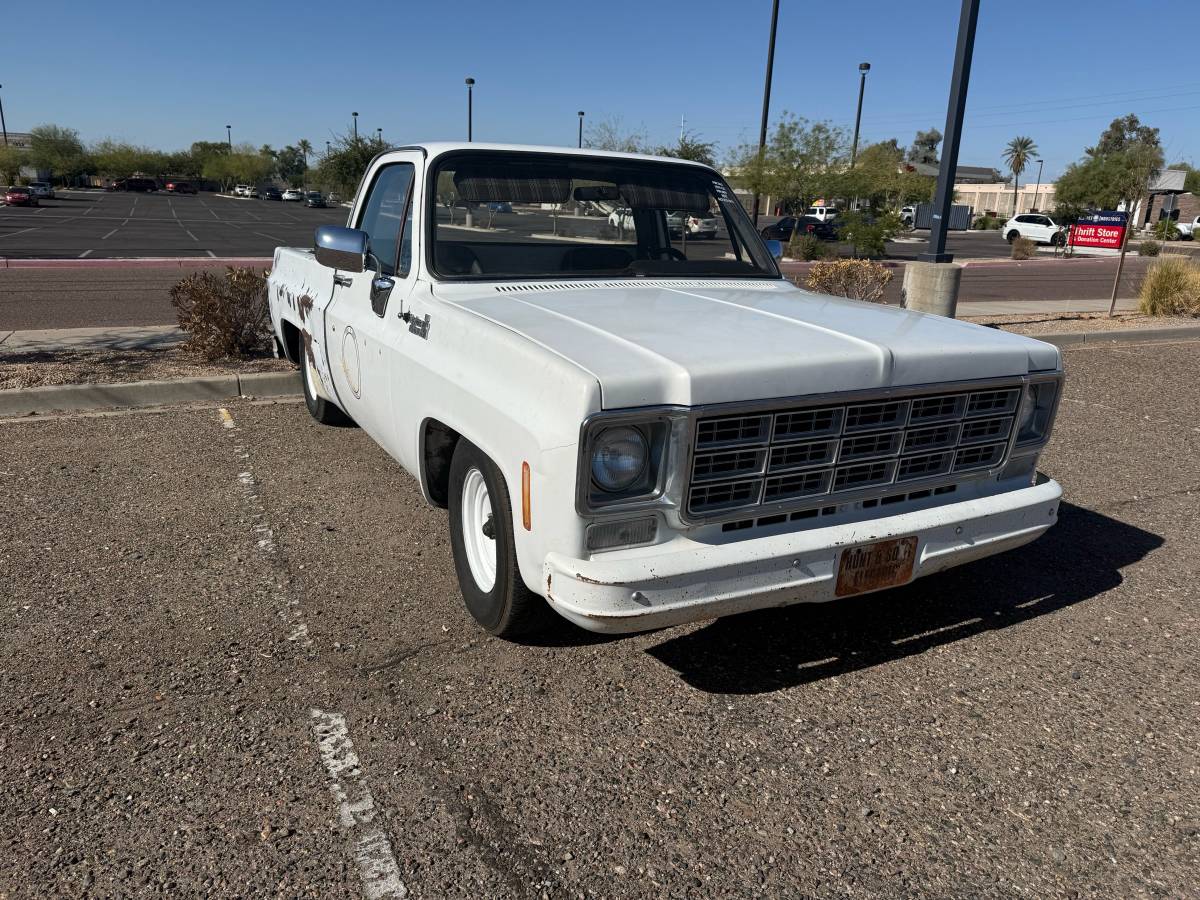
(768, 650)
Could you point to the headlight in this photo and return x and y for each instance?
(619, 458)
(1037, 411)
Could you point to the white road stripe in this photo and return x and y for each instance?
(210, 253)
(356, 808)
(192, 236)
(84, 253)
(111, 233)
(271, 237)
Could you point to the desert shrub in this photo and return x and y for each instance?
(1023, 248)
(1166, 230)
(869, 234)
(1149, 248)
(806, 246)
(986, 223)
(1171, 288)
(858, 279)
(224, 315)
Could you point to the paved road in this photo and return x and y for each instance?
(82, 298)
(95, 225)
(180, 596)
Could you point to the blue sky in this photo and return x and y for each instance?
(281, 71)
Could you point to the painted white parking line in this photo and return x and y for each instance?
(84, 253)
(111, 233)
(356, 808)
(210, 253)
(271, 237)
(192, 236)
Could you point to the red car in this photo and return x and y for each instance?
(20, 196)
(181, 187)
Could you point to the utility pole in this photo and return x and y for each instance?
(229, 136)
(354, 116)
(581, 129)
(1039, 186)
(762, 130)
(470, 108)
(863, 69)
(955, 111)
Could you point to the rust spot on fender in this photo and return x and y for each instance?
(581, 577)
(308, 350)
(548, 580)
(306, 305)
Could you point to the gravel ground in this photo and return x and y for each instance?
(22, 370)
(1023, 727)
(1071, 323)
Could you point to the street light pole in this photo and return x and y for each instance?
(762, 130)
(1039, 186)
(229, 135)
(863, 69)
(470, 106)
(581, 129)
(2, 124)
(354, 116)
(955, 110)
(379, 134)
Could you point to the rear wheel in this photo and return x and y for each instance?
(484, 547)
(321, 409)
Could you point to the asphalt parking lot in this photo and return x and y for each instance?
(235, 663)
(99, 225)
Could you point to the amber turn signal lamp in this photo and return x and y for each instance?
(525, 514)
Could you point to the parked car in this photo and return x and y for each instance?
(20, 196)
(314, 199)
(293, 194)
(698, 225)
(622, 218)
(500, 207)
(271, 194)
(1036, 227)
(1187, 230)
(783, 229)
(635, 440)
(823, 213)
(908, 216)
(139, 185)
(181, 187)
(42, 189)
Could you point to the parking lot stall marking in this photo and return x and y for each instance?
(356, 807)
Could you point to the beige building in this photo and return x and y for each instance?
(997, 198)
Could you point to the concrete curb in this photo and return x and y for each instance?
(1121, 336)
(74, 397)
(152, 262)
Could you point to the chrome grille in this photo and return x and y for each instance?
(830, 451)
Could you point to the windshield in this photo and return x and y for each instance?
(508, 215)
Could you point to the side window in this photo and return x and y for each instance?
(386, 213)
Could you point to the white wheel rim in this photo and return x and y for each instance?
(476, 512)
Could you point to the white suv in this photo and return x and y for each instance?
(1038, 228)
(293, 194)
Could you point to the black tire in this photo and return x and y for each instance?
(1013, 235)
(318, 407)
(509, 609)
(1057, 240)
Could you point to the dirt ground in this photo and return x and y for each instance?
(1073, 323)
(24, 370)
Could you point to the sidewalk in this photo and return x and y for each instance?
(43, 340)
(968, 309)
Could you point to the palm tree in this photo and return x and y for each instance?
(306, 148)
(1018, 153)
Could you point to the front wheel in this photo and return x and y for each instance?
(1057, 240)
(318, 407)
(484, 547)
(1013, 235)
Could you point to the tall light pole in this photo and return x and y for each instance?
(863, 69)
(354, 116)
(470, 106)
(762, 130)
(229, 135)
(327, 148)
(581, 129)
(379, 134)
(955, 111)
(2, 125)
(1039, 186)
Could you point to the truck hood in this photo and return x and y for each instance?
(699, 342)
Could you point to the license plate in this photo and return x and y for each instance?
(870, 567)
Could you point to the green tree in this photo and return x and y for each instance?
(802, 161)
(58, 149)
(690, 146)
(11, 160)
(1017, 154)
(342, 168)
(924, 147)
(1119, 169)
(289, 163)
(305, 149)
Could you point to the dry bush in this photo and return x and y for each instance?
(1023, 248)
(224, 315)
(1149, 248)
(858, 279)
(1171, 288)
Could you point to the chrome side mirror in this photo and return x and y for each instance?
(775, 248)
(339, 247)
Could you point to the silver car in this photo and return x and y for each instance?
(43, 190)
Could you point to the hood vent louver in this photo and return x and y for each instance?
(679, 284)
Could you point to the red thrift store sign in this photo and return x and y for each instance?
(1103, 229)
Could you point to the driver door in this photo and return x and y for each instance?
(362, 324)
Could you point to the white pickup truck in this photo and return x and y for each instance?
(638, 431)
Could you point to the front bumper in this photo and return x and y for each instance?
(686, 580)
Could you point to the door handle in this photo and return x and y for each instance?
(343, 280)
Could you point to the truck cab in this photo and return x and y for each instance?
(632, 429)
